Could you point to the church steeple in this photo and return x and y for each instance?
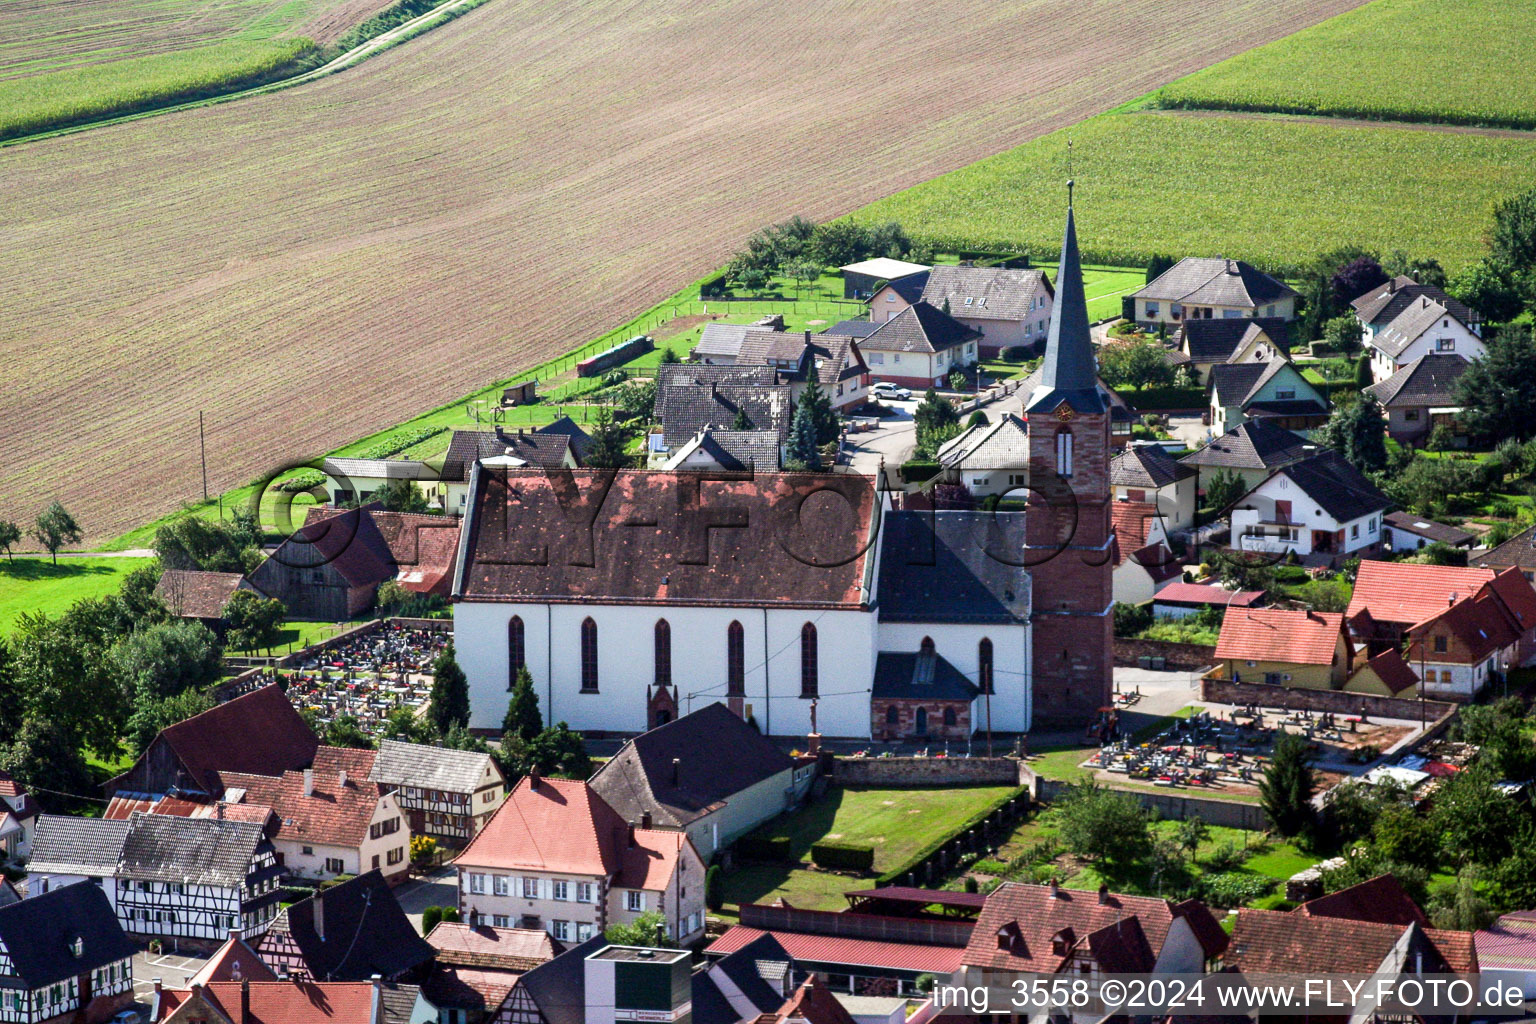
(1069, 372)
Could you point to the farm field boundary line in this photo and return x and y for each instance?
(1345, 122)
(404, 32)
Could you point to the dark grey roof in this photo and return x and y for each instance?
(744, 970)
(422, 767)
(1428, 528)
(399, 1002)
(65, 845)
(910, 287)
(1146, 465)
(191, 851)
(953, 567)
(691, 398)
(986, 293)
(1428, 380)
(1342, 490)
(366, 932)
(639, 777)
(537, 448)
(919, 328)
(1519, 550)
(37, 934)
(741, 449)
(1254, 445)
(1409, 325)
(1289, 407)
(1384, 302)
(580, 439)
(905, 675)
(1217, 339)
(832, 352)
(854, 328)
(1069, 372)
(722, 340)
(1214, 281)
(8, 893)
(558, 987)
(1236, 384)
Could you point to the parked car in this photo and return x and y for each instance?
(128, 1016)
(885, 389)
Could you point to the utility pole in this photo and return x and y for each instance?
(202, 450)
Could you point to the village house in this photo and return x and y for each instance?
(1475, 639)
(1198, 288)
(477, 967)
(692, 399)
(1385, 675)
(672, 777)
(1202, 344)
(247, 1000)
(1147, 473)
(421, 546)
(1422, 396)
(919, 348)
(1006, 307)
(257, 733)
(1423, 327)
(604, 871)
(1274, 391)
(200, 596)
(63, 959)
(1518, 552)
(1506, 951)
(1404, 531)
(862, 279)
(720, 343)
(349, 932)
(166, 877)
(328, 569)
(18, 816)
(333, 820)
(1382, 304)
(446, 794)
(1323, 509)
(988, 458)
(1251, 452)
(839, 366)
(1049, 929)
(1144, 564)
(1297, 649)
(728, 451)
(558, 445)
(1180, 600)
(359, 481)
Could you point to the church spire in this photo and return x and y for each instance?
(1069, 372)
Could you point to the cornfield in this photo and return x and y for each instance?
(1449, 61)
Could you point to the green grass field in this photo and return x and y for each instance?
(1450, 61)
(1275, 192)
(898, 821)
(37, 585)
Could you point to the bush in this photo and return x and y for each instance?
(714, 891)
(1015, 354)
(769, 848)
(1226, 857)
(843, 855)
(915, 471)
(1234, 889)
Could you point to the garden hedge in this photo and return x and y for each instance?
(768, 848)
(843, 855)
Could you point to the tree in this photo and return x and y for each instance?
(1223, 488)
(607, 448)
(43, 757)
(450, 692)
(403, 496)
(1490, 287)
(1425, 485)
(714, 888)
(1425, 269)
(423, 851)
(1363, 372)
(151, 715)
(560, 752)
(55, 528)
(839, 243)
(254, 621)
(1357, 277)
(1134, 363)
(1343, 334)
(977, 419)
(647, 929)
(405, 725)
(742, 421)
(1319, 295)
(822, 416)
(1245, 570)
(1498, 391)
(1475, 821)
(1190, 833)
(191, 542)
(10, 533)
(1357, 431)
(805, 270)
(1158, 265)
(1403, 836)
(140, 605)
(347, 731)
(935, 420)
(1286, 789)
(1458, 906)
(668, 357)
(163, 659)
(523, 719)
(1104, 824)
(60, 665)
(888, 239)
(800, 451)
(1513, 240)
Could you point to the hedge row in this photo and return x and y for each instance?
(769, 848)
(1156, 399)
(394, 444)
(898, 874)
(915, 471)
(843, 855)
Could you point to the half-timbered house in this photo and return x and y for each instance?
(63, 957)
(446, 794)
(348, 932)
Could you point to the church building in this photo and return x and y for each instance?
(806, 602)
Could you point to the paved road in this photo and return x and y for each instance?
(892, 443)
(439, 889)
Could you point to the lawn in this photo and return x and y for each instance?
(1187, 184)
(899, 822)
(1386, 59)
(37, 585)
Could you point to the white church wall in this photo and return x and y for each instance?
(960, 645)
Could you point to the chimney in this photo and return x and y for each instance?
(631, 837)
(157, 985)
(309, 782)
(645, 819)
(1055, 890)
(234, 933)
(1103, 895)
(378, 996)
(533, 781)
(219, 810)
(341, 778)
(675, 775)
(1392, 287)
(245, 1002)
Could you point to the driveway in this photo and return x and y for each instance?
(1188, 429)
(173, 970)
(892, 442)
(438, 889)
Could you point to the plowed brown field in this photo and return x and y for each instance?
(313, 265)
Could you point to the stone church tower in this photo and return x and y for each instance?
(1067, 529)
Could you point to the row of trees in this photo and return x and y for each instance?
(802, 249)
(54, 528)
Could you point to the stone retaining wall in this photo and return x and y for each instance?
(1184, 657)
(1224, 691)
(915, 772)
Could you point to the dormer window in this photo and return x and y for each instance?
(77, 947)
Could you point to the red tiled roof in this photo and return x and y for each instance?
(259, 733)
(652, 861)
(1458, 948)
(1292, 637)
(1381, 900)
(198, 595)
(1509, 944)
(1269, 941)
(293, 1002)
(423, 547)
(9, 786)
(464, 988)
(831, 949)
(1392, 670)
(1407, 592)
(561, 825)
(811, 1003)
(333, 813)
(1016, 927)
(1518, 596)
(516, 949)
(349, 541)
(1482, 623)
(1204, 593)
(1208, 931)
(1130, 521)
(229, 958)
